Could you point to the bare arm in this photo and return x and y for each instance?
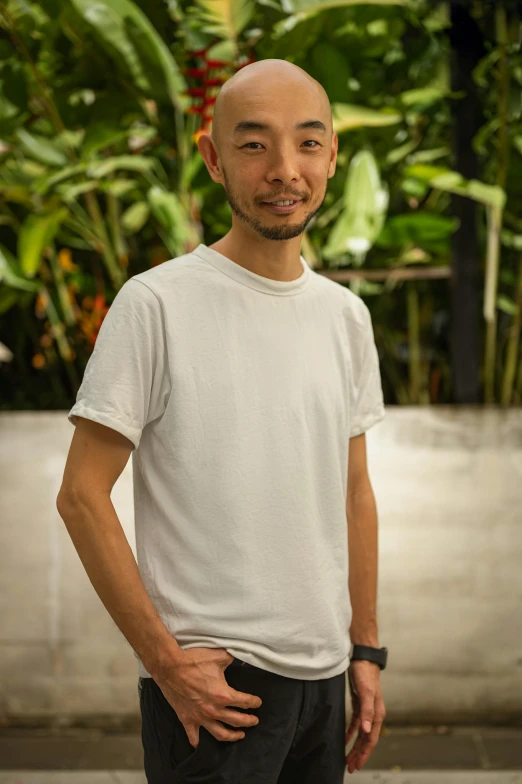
(97, 457)
(361, 512)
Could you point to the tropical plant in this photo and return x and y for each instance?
(101, 106)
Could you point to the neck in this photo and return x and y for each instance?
(278, 260)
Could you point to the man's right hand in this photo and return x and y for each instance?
(197, 690)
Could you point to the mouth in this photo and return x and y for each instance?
(280, 209)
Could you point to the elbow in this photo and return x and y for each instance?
(65, 500)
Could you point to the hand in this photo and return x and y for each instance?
(368, 709)
(197, 690)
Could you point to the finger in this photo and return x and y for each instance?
(352, 729)
(360, 744)
(367, 713)
(366, 749)
(358, 748)
(222, 733)
(240, 699)
(193, 736)
(238, 719)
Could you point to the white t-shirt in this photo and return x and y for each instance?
(240, 394)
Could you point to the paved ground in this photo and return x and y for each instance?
(375, 777)
(404, 755)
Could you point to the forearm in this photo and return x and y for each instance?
(362, 523)
(105, 553)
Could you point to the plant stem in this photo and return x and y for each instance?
(490, 295)
(63, 292)
(118, 240)
(495, 213)
(105, 248)
(512, 350)
(58, 330)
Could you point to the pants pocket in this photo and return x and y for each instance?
(165, 742)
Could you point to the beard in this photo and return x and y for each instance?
(283, 231)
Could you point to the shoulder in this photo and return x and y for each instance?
(174, 272)
(354, 310)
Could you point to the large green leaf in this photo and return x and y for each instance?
(307, 6)
(361, 220)
(398, 153)
(70, 192)
(43, 184)
(492, 195)
(447, 180)
(9, 275)
(423, 96)
(331, 68)
(347, 116)
(225, 18)
(118, 186)
(418, 228)
(129, 37)
(41, 148)
(99, 135)
(37, 233)
(135, 217)
(168, 211)
(137, 163)
(425, 156)
(507, 305)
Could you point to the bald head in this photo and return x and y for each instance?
(265, 83)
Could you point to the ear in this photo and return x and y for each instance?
(333, 155)
(209, 153)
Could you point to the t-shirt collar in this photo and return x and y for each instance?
(252, 279)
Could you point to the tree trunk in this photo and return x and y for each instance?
(467, 48)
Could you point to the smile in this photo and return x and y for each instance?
(284, 208)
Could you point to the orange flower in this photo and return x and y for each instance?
(38, 361)
(41, 303)
(65, 260)
(99, 302)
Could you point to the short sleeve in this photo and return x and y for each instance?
(126, 382)
(368, 406)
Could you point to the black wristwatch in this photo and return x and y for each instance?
(366, 652)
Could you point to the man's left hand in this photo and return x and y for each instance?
(368, 711)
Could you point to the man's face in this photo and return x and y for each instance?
(277, 162)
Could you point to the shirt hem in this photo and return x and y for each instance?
(307, 674)
(79, 409)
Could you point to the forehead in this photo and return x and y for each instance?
(278, 106)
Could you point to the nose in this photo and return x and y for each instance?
(283, 168)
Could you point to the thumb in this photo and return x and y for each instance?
(366, 715)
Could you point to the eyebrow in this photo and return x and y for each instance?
(251, 125)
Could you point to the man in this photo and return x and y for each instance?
(244, 382)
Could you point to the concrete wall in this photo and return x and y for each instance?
(448, 484)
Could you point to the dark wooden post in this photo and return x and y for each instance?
(467, 48)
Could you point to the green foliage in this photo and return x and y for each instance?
(100, 176)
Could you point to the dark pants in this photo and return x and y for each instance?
(300, 738)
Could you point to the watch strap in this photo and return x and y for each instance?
(368, 653)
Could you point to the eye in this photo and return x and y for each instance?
(306, 142)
